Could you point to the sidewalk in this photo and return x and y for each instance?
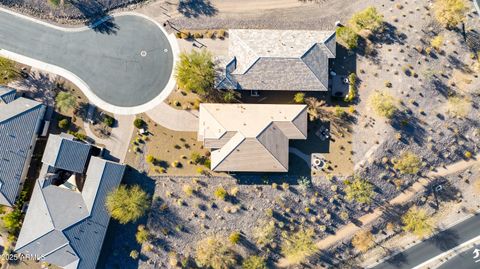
(174, 119)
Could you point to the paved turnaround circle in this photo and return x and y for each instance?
(125, 63)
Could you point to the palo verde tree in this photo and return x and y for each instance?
(195, 71)
(407, 163)
(360, 190)
(298, 246)
(65, 101)
(213, 252)
(418, 222)
(450, 13)
(368, 19)
(127, 204)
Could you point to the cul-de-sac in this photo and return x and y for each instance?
(226, 134)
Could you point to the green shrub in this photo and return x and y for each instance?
(108, 121)
(212, 252)
(408, 163)
(142, 234)
(347, 37)
(450, 13)
(298, 246)
(195, 71)
(359, 190)
(220, 34)
(299, 98)
(220, 193)
(234, 237)
(198, 35)
(150, 159)
(367, 19)
(8, 70)
(134, 254)
(65, 101)
(64, 124)
(383, 104)
(352, 88)
(127, 204)
(139, 123)
(417, 222)
(254, 262)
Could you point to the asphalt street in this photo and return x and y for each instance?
(464, 260)
(126, 61)
(436, 245)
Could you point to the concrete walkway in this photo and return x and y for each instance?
(350, 229)
(119, 141)
(174, 119)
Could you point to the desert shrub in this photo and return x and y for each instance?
(65, 101)
(254, 262)
(8, 69)
(264, 233)
(220, 34)
(234, 237)
(78, 135)
(195, 71)
(134, 254)
(450, 13)
(127, 204)
(220, 193)
(234, 191)
(347, 37)
(407, 163)
(213, 252)
(54, 3)
(298, 246)
(198, 35)
(437, 42)
(209, 34)
(185, 35)
(142, 234)
(367, 19)
(108, 121)
(459, 106)
(188, 189)
(352, 88)
(138, 123)
(359, 190)
(418, 222)
(299, 98)
(229, 97)
(383, 104)
(363, 241)
(64, 124)
(340, 112)
(150, 159)
(467, 154)
(196, 157)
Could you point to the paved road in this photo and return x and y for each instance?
(108, 59)
(434, 246)
(463, 260)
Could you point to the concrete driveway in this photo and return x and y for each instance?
(122, 65)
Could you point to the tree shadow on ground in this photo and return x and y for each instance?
(444, 240)
(389, 35)
(409, 126)
(196, 8)
(120, 238)
(96, 16)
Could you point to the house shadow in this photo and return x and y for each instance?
(196, 8)
(120, 238)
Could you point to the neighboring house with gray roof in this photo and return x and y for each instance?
(66, 222)
(20, 122)
(278, 60)
(7, 95)
(256, 140)
(66, 153)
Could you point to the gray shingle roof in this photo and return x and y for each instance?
(7, 95)
(68, 227)
(63, 152)
(279, 60)
(20, 121)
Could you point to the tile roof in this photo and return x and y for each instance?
(256, 141)
(20, 121)
(68, 227)
(279, 60)
(63, 152)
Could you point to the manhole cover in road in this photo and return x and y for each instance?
(143, 53)
(165, 50)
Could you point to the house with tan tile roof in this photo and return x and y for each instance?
(250, 137)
